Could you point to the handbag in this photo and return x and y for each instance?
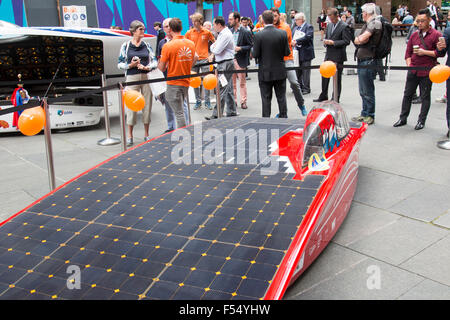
(296, 58)
(422, 40)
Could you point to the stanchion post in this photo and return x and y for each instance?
(49, 147)
(335, 86)
(122, 118)
(219, 107)
(108, 141)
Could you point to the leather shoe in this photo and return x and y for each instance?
(400, 123)
(319, 100)
(212, 117)
(419, 126)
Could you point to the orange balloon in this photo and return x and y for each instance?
(439, 73)
(195, 82)
(277, 3)
(328, 69)
(31, 121)
(210, 82)
(134, 100)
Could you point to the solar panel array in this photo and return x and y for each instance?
(142, 227)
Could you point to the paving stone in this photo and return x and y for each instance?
(362, 221)
(433, 262)
(427, 290)
(437, 203)
(382, 190)
(333, 260)
(399, 241)
(367, 280)
(443, 221)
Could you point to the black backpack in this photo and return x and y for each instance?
(383, 49)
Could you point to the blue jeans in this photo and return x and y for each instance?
(367, 88)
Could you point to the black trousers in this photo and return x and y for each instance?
(424, 83)
(265, 88)
(326, 83)
(304, 76)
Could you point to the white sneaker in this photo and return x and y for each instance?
(146, 138)
(129, 142)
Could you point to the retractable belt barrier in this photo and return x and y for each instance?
(45, 101)
(86, 93)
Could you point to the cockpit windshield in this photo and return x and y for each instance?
(326, 126)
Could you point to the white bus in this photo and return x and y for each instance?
(82, 55)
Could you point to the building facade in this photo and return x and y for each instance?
(106, 13)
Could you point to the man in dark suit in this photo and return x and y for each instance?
(303, 42)
(338, 36)
(270, 47)
(292, 15)
(243, 42)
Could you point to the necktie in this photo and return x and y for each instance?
(334, 27)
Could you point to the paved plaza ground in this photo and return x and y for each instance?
(395, 241)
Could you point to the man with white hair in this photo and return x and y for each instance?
(366, 44)
(207, 24)
(303, 42)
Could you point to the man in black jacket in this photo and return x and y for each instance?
(270, 47)
(243, 42)
(338, 36)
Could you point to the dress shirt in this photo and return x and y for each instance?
(235, 34)
(431, 39)
(223, 48)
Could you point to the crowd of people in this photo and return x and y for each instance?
(275, 46)
(438, 20)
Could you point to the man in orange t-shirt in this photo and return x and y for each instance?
(289, 62)
(177, 57)
(201, 38)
